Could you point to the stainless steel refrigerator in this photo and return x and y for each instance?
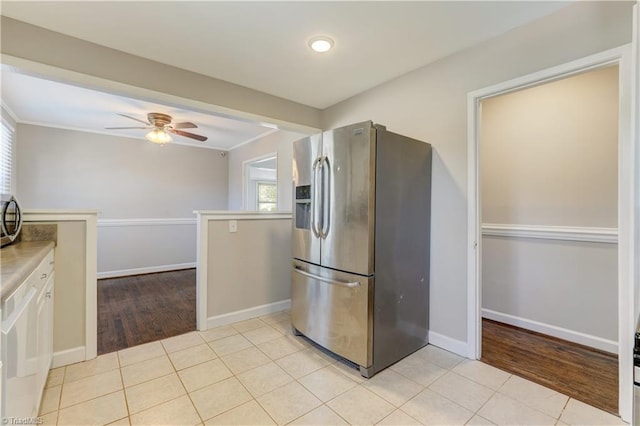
(361, 232)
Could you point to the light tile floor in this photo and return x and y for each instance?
(256, 372)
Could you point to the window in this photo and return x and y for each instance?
(6, 159)
(260, 183)
(266, 197)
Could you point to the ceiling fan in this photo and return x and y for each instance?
(161, 127)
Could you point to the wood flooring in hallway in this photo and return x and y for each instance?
(583, 373)
(143, 308)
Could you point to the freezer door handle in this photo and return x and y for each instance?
(315, 228)
(348, 284)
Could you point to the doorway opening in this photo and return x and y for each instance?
(548, 164)
(138, 309)
(260, 183)
(536, 224)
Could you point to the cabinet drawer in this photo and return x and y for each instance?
(36, 279)
(43, 271)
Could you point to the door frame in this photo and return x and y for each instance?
(627, 201)
(245, 177)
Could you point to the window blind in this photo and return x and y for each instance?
(6, 158)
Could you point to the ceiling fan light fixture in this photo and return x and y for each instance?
(159, 136)
(321, 44)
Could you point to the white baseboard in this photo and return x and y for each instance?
(145, 270)
(68, 356)
(458, 347)
(551, 330)
(245, 314)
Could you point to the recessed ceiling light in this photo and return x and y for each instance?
(321, 44)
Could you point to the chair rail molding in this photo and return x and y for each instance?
(544, 232)
(103, 223)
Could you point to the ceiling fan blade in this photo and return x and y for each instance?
(123, 128)
(133, 118)
(184, 125)
(188, 135)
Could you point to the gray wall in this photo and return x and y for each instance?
(280, 142)
(70, 286)
(248, 268)
(567, 284)
(431, 104)
(124, 179)
(549, 157)
(549, 154)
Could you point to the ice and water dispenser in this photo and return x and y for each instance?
(303, 207)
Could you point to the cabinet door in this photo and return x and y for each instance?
(45, 332)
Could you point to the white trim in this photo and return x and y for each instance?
(91, 267)
(202, 278)
(628, 198)
(253, 139)
(564, 233)
(230, 215)
(106, 223)
(12, 114)
(91, 296)
(596, 342)
(68, 356)
(249, 313)
(140, 138)
(146, 270)
(635, 133)
(244, 175)
(55, 214)
(447, 343)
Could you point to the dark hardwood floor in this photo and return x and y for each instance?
(583, 373)
(144, 308)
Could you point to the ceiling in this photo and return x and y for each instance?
(48, 103)
(261, 45)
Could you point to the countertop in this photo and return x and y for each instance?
(18, 260)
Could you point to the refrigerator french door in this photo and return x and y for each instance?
(360, 243)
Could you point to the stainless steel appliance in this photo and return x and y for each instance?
(10, 219)
(361, 232)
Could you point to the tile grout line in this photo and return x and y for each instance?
(242, 384)
(64, 374)
(182, 383)
(124, 391)
(332, 363)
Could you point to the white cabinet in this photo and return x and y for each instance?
(27, 341)
(45, 332)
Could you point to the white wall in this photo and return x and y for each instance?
(126, 180)
(431, 104)
(280, 142)
(548, 157)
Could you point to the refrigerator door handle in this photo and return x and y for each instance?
(314, 203)
(326, 197)
(348, 284)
